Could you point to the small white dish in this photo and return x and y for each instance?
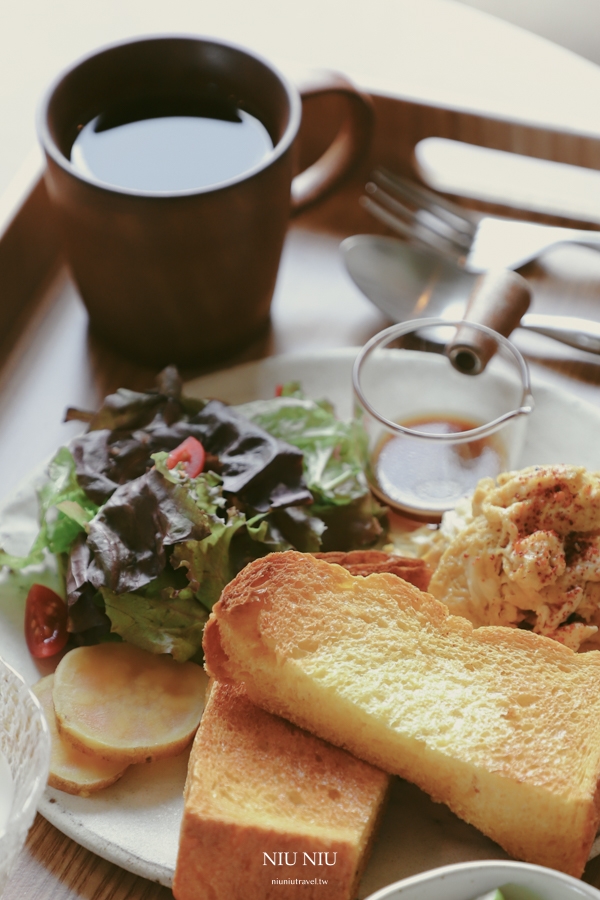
(25, 758)
(468, 881)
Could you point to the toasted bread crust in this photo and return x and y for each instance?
(257, 784)
(498, 723)
(369, 562)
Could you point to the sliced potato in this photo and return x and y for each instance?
(70, 769)
(126, 704)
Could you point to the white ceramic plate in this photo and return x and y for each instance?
(135, 823)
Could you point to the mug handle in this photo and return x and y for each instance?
(348, 147)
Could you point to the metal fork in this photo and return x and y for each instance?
(475, 245)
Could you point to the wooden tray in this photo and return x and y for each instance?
(48, 360)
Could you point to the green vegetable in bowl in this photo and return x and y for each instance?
(510, 892)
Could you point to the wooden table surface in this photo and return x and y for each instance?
(57, 363)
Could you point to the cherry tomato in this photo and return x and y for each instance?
(45, 621)
(190, 454)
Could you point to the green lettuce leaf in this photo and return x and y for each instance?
(334, 451)
(162, 618)
(168, 614)
(208, 563)
(64, 509)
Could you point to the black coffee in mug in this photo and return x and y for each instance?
(170, 144)
(172, 234)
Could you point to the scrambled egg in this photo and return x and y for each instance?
(525, 551)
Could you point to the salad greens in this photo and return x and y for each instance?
(146, 548)
(333, 451)
(64, 510)
(334, 454)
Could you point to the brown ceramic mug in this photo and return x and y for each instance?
(185, 275)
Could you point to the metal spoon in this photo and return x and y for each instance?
(407, 282)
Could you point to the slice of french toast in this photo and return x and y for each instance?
(500, 724)
(270, 810)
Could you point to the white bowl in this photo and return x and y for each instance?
(25, 743)
(467, 881)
